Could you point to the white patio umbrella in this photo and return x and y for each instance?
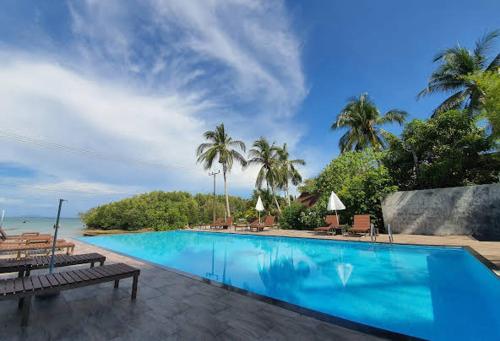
(334, 204)
(259, 207)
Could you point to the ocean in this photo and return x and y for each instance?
(68, 227)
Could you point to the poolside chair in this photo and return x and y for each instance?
(361, 225)
(332, 223)
(24, 266)
(25, 288)
(35, 246)
(217, 223)
(24, 236)
(227, 223)
(268, 222)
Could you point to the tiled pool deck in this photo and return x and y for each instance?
(169, 306)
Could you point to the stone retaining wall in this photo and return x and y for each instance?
(471, 210)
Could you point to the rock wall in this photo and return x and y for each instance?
(471, 210)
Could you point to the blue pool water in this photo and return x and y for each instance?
(429, 292)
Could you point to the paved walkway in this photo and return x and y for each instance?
(489, 250)
(168, 307)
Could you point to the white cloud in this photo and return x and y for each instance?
(10, 201)
(77, 187)
(140, 83)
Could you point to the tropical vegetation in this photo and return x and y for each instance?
(444, 151)
(360, 179)
(456, 64)
(224, 149)
(363, 122)
(488, 84)
(162, 211)
(288, 172)
(456, 146)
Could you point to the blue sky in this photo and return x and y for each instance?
(104, 99)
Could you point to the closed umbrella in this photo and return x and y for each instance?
(334, 204)
(259, 207)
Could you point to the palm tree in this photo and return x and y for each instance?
(363, 120)
(266, 156)
(223, 148)
(456, 63)
(288, 171)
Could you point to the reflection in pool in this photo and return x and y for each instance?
(428, 292)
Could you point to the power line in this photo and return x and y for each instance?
(47, 144)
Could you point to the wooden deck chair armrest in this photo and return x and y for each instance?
(27, 234)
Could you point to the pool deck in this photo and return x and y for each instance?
(169, 306)
(489, 250)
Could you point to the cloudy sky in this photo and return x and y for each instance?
(104, 99)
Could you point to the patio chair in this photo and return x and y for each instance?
(36, 246)
(332, 223)
(217, 223)
(24, 266)
(25, 288)
(361, 225)
(23, 236)
(268, 222)
(227, 223)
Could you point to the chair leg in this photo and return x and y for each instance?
(102, 263)
(92, 264)
(117, 282)
(134, 286)
(26, 311)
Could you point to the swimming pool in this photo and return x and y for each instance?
(429, 292)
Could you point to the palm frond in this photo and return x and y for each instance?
(239, 144)
(495, 64)
(394, 115)
(484, 43)
(201, 148)
(455, 101)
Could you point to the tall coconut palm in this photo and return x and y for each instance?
(223, 148)
(450, 76)
(288, 170)
(265, 155)
(363, 120)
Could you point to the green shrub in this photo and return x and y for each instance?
(291, 217)
(445, 151)
(162, 211)
(359, 179)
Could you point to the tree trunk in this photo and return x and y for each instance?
(287, 195)
(228, 211)
(276, 200)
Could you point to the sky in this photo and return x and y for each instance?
(100, 100)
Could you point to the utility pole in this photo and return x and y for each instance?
(214, 174)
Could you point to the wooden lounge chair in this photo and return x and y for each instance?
(361, 224)
(241, 224)
(25, 288)
(217, 223)
(268, 222)
(227, 223)
(332, 223)
(24, 266)
(36, 246)
(23, 236)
